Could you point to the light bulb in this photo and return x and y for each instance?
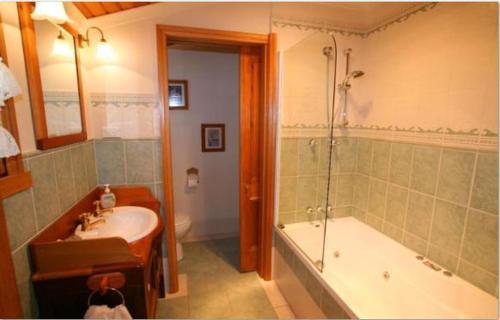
(52, 11)
(61, 47)
(104, 50)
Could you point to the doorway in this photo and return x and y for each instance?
(257, 55)
(204, 86)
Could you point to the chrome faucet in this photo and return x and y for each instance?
(84, 220)
(329, 212)
(98, 211)
(320, 210)
(310, 214)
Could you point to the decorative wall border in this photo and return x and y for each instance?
(475, 139)
(305, 26)
(123, 100)
(61, 98)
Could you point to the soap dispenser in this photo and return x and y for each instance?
(108, 198)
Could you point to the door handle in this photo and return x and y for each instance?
(253, 189)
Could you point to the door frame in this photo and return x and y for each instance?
(268, 118)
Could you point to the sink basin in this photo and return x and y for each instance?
(129, 223)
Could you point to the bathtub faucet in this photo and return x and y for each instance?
(310, 214)
(329, 212)
(320, 211)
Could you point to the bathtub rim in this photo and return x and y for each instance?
(315, 272)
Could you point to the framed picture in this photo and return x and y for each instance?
(213, 137)
(178, 95)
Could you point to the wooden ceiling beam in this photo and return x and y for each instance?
(111, 7)
(96, 8)
(83, 9)
(127, 5)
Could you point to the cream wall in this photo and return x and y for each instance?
(436, 69)
(305, 85)
(133, 70)
(132, 74)
(213, 98)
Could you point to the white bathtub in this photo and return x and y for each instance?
(356, 276)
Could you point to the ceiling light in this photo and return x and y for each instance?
(52, 11)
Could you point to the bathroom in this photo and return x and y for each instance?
(256, 195)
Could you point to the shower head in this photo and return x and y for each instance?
(354, 74)
(327, 51)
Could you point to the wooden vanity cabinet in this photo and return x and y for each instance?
(61, 268)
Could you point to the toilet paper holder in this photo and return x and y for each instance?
(193, 173)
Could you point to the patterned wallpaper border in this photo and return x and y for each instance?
(123, 100)
(305, 26)
(61, 98)
(472, 139)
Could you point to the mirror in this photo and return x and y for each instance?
(57, 60)
(51, 54)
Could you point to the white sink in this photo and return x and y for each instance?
(129, 223)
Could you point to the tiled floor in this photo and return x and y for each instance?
(216, 289)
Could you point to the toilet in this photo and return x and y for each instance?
(182, 226)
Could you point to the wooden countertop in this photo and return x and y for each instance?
(55, 258)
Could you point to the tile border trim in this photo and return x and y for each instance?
(487, 140)
(123, 100)
(61, 98)
(306, 26)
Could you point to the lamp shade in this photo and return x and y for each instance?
(61, 47)
(8, 145)
(104, 50)
(52, 11)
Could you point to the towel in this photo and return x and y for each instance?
(8, 84)
(105, 312)
(8, 145)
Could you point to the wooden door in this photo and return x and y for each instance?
(250, 103)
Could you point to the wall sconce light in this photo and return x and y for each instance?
(103, 51)
(61, 47)
(52, 11)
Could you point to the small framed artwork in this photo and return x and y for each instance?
(213, 137)
(178, 95)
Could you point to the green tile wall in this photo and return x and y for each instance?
(440, 202)
(63, 176)
(304, 168)
(130, 162)
(314, 287)
(60, 178)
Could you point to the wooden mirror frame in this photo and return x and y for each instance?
(43, 141)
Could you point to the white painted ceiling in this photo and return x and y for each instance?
(361, 16)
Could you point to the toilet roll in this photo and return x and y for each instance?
(193, 180)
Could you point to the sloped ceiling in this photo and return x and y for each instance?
(360, 16)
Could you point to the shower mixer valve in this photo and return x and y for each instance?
(312, 143)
